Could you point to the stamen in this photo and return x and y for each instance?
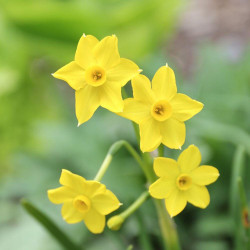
(97, 76)
(184, 182)
(159, 110)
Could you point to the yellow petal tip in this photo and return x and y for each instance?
(140, 70)
(167, 65)
(84, 35)
(79, 124)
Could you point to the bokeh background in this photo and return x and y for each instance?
(205, 42)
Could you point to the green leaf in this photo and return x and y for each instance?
(48, 224)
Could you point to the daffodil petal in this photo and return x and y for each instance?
(94, 221)
(124, 71)
(204, 175)
(150, 135)
(105, 203)
(111, 97)
(93, 188)
(73, 74)
(162, 188)
(189, 159)
(135, 110)
(106, 52)
(166, 167)
(173, 133)
(142, 89)
(176, 202)
(72, 181)
(61, 194)
(163, 83)
(184, 107)
(70, 214)
(198, 196)
(87, 100)
(84, 52)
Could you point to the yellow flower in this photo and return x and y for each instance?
(160, 111)
(183, 181)
(97, 75)
(83, 200)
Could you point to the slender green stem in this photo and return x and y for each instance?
(144, 240)
(137, 134)
(135, 126)
(112, 150)
(167, 225)
(54, 230)
(104, 167)
(237, 170)
(134, 206)
(168, 228)
(244, 214)
(115, 222)
(161, 151)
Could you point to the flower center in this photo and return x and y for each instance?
(95, 76)
(82, 203)
(184, 182)
(161, 110)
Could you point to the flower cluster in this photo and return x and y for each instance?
(97, 75)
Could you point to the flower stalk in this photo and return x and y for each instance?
(116, 221)
(167, 226)
(112, 151)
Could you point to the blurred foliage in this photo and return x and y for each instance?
(39, 137)
(36, 38)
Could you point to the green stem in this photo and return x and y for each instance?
(104, 167)
(167, 225)
(244, 215)
(112, 150)
(161, 151)
(134, 206)
(168, 228)
(144, 240)
(137, 134)
(135, 126)
(237, 171)
(55, 231)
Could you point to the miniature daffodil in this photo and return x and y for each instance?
(183, 181)
(160, 111)
(83, 200)
(97, 75)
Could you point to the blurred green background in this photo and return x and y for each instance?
(210, 53)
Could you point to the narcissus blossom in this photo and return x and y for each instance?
(97, 75)
(183, 181)
(83, 200)
(160, 111)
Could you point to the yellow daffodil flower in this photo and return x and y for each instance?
(183, 181)
(97, 75)
(160, 111)
(83, 200)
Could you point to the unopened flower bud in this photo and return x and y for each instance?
(115, 222)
